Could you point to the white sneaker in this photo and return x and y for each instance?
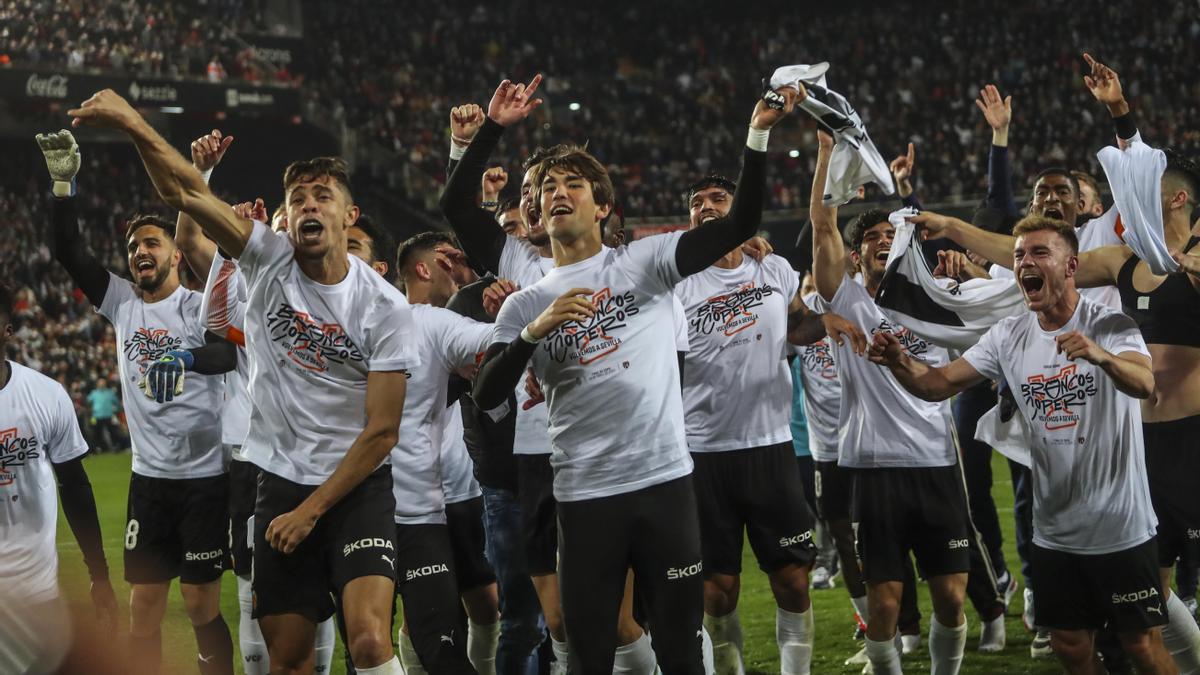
(1040, 647)
(1027, 613)
(822, 579)
(909, 644)
(1010, 588)
(992, 636)
(859, 659)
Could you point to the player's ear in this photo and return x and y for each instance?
(381, 267)
(1072, 266)
(352, 214)
(422, 271)
(602, 212)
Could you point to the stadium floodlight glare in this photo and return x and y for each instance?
(793, 153)
(173, 109)
(574, 106)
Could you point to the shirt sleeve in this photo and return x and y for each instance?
(1118, 334)
(516, 255)
(849, 300)
(788, 278)
(512, 318)
(654, 258)
(679, 316)
(262, 249)
(392, 334)
(66, 441)
(984, 356)
(465, 340)
(223, 307)
(119, 292)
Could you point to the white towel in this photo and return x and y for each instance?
(855, 161)
(946, 312)
(1135, 175)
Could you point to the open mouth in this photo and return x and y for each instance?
(706, 216)
(144, 265)
(561, 210)
(1053, 212)
(310, 230)
(1032, 283)
(882, 256)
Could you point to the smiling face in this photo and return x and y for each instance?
(569, 208)
(1044, 265)
(152, 257)
(319, 210)
(1054, 196)
(872, 253)
(709, 204)
(531, 215)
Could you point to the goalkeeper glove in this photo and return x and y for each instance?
(62, 160)
(164, 379)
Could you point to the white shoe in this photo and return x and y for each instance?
(992, 637)
(822, 579)
(859, 659)
(1027, 613)
(909, 644)
(1010, 589)
(1040, 647)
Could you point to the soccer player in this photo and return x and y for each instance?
(179, 491)
(323, 324)
(41, 445)
(1079, 366)
(906, 490)
(590, 328)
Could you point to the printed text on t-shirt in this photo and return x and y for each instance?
(309, 343)
(912, 344)
(731, 311)
(593, 339)
(1052, 397)
(148, 345)
(15, 451)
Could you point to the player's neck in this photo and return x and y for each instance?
(1058, 315)
(1176, 230)
(329, 269)
(420, 293)
(731, 260)
(164, 290)
(546, 250)
(576, 250)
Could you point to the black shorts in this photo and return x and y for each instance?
(1121, 590)
(355, 538)
(902, 509)
(176, 528)
(757, 491)
(832, 484)
(1173, 470)
(464, 520)
(243, 484)
(539, 513)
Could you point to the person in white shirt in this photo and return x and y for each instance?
(179, 490)
(319, 324)
(41, 449)
(1077, 369)
(592, 327)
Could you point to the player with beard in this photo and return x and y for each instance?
(585, 326)
(224, 310)
(1091, 205)
(741, 315)
(1094, 551)
(179, 491)
(321, 323)
(41, 444)
(907, 494)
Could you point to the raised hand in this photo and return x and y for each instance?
(996, 110)
(465, 121)
(62, 160)
(933, 225)
(513, 102)
(209, 149)
(495, 295)
(494, 180)
(574, 305)
(105, 109)
(1105, 85)
(256, 210)
(885, 350)
(902, 168)
(765, 116)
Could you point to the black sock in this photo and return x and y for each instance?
(215, 646)
(145, 653)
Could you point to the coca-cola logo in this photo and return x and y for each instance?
(52, 86)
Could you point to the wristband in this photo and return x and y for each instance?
(456, 150)
(1126, 129)
(205, 175)
(63, 188)
(527, 336)
(757, 139)
(489, 204)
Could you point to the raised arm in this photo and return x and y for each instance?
(1105, 87)
(177, 181)
(919, 378)
(829, 250)
(902, 168)
(997, 112)
(482, 239)
(197, 249)
(699, 248)
(63, 161)
(997, 248)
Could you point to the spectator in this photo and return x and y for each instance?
(106, 426)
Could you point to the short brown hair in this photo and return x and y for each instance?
(144, 219)
(317, 167)
(1085, 178)
(1041, 224)
(576, 159)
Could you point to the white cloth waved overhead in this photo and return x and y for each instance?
(1135, 175)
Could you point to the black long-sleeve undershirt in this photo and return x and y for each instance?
(503, 366)
(481, 238)
(79, 506)
(64, 243)
(217, 356)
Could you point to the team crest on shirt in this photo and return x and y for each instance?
(914, 345)
(817, 358)
(731, 312)
(15, 451)
(596, 338)
(310, 343)
(148, 345)
(1056, 398)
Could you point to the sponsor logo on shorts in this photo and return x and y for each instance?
(958, 543)
(684, 572)
(427, 570)
(1136, 596)
(369, 542)
(801, 538)
(201, 556)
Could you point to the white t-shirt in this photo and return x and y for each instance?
(880, 423)
(1090, 492)
(1094, 234)
(37, 427)
(446, 341)
(224, 303)
(736, 381)
(612, 384)
(311, 347)
(522, 263)
(458, 475)
(182, 437)
(822, 394)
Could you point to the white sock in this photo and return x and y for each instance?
(637, 657)
(794, 635)
(561, 656)
(1181, 636)
(324, 646)
(408, 656)
(726, 632)
(860, 606)
(884, 657)
(255, 660)
(391, 667)
(946, 647)
(482, 639)
(706, 646)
